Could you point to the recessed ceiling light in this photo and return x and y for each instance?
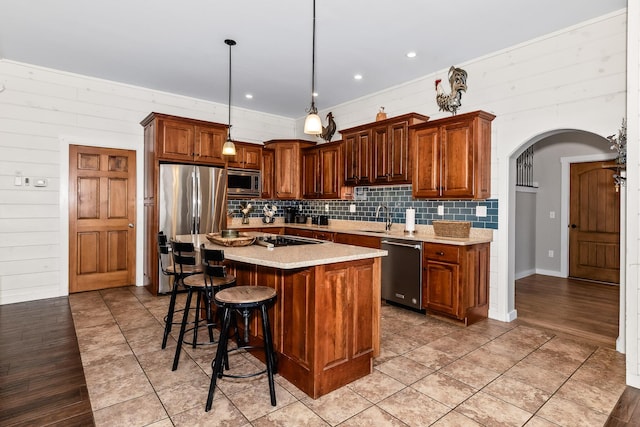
(411, 54)
(358, 77)
(248, 96)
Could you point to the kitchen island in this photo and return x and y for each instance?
(326, 320)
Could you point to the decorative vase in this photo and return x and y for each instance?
(381, 115)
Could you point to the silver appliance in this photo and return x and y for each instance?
(244, 183)
(402, 272)
(190, 198)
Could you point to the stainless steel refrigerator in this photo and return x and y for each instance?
(192, 200)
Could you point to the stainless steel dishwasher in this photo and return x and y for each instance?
(402, 272)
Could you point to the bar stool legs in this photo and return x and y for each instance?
(221, 360)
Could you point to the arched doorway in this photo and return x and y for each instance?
(541, 214)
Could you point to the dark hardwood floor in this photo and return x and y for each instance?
(41, 377)
(580, 308)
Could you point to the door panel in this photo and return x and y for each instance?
(594, 233)
(102, 197)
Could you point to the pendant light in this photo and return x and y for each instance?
(312, 124)
(229, 148)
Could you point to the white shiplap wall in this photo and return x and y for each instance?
(42, 111)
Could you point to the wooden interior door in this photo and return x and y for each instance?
(102, 213)
(594, 224)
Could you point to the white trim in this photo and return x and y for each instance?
(119, 143)
(552, 273)
(526, 273)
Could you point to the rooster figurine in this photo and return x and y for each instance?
(330, 129)
(458, 82)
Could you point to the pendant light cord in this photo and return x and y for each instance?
(313, 109)
(230, 43)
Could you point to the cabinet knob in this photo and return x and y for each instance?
(440, 253)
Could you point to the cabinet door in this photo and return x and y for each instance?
(329, 172)
(457, 160)
(252, 156)
(399, 168)
(208, 145)
(287, 175)
(357, 158)
(441, 291)
(267, 174)
(426, 165)
(380, 154)
(310, 178)
(176, 140)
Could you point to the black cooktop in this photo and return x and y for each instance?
(277, 241)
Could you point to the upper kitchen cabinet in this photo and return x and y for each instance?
(378, 152)
(287, 166)
(185, 140)
(321, 171)
(268, 168)
(248, 156)
(357, 163)
(452, 157)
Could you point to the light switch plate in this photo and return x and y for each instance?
(481, 211)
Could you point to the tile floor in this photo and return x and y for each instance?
(430, 372)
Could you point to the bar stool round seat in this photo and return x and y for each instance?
(197, 281)
(244, 299)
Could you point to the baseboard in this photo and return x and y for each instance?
(633, 380)
(526, 273)
(503, 317)
(551, 273)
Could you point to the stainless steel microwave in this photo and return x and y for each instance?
(244, 183)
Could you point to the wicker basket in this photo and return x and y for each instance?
(242, 239)
(444, 228)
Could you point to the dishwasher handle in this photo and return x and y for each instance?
(419, 247)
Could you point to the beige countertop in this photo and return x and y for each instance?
(423, 233)
(289, 257)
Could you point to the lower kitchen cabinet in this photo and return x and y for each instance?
(358, 240)
(325, 321)
(455, 280)
(312, 234)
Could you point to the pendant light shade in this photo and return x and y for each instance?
(229, 148)
(313, 124)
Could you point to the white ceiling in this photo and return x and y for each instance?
(178, 46)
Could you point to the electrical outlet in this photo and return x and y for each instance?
(551, 254)
(481, 211)
(440, 209)
(552, 214)
(326, 207)
(352, 208)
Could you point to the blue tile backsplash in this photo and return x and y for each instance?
(398, 198)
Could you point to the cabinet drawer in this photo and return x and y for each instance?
(441, 252)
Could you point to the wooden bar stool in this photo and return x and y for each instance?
(176, 272)
(244, 299)
(206, 285)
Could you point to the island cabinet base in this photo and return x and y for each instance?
(326, 321)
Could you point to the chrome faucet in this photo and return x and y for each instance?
(388, 223)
